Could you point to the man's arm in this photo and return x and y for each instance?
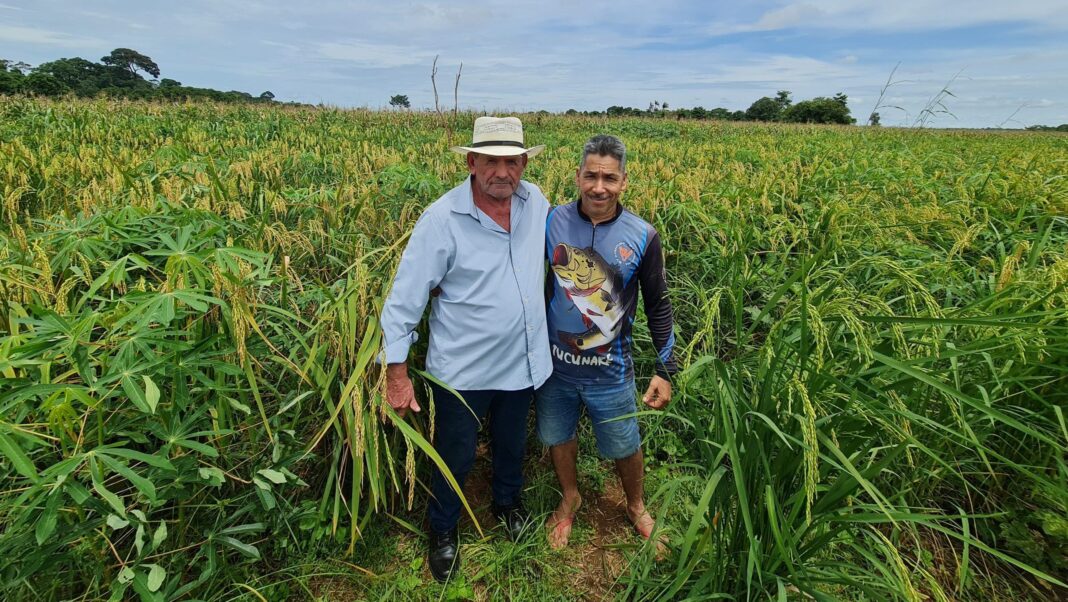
(422, 267)
(653, 281)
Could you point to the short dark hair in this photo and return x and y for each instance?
(604, 145)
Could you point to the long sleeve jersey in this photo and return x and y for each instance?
(592, 295)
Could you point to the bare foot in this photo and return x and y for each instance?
(644, 525)
(560, 521)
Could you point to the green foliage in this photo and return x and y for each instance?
(77, 74)
(146, 346)
(764, 109)
(132, 61)
(42, 84)
(821, 110)
(400, 101)
(874, 346)
(618, 111)
(1049, 128)
(117, 76)
(10, 80)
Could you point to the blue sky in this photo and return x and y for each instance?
(555, 55)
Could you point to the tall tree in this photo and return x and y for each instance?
(131, 60)
(10, 81)
(400, 101)
(764, 109)
(19, 66)
(82, 77)
(43, 84)
(820, 110)
(782, 98)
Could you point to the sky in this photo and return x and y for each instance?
(1004, 63)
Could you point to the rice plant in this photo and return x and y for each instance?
(872, 325)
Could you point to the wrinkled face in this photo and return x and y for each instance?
(600, 182)
(496, 177)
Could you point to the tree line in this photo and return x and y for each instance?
(1048, 128)
(781, 107)
(120, 74)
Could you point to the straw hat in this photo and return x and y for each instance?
(498, 136)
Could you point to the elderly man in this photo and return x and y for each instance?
(600, 255)
(480, 249)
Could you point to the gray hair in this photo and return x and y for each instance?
(604, 145)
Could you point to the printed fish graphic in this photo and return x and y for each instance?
(595, 289)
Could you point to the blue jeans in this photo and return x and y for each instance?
(456, 430)
(560, 402)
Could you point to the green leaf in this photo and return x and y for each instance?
(197, 446)
(248, 550)
(237, 405)
(266, 497)
(141, 483)
(135, 394)
(241, 529)
(151, 460)
(196, 300)
(156, 575)
(109, 497)
(118, 591)
(22, 463)
(139, 538)
(46, 525)
(212, 475)
(116, 522)
(151, 394)
(77, 492)
(159, 535)
(272, 475)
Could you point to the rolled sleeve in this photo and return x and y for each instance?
(397, 351)
(422, 266)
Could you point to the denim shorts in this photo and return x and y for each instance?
(559, 404)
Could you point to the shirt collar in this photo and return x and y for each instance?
(464, 201)
(582, 214)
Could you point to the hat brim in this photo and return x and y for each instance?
(499, 151)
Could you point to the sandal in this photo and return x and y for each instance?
(567, 523)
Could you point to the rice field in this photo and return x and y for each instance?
(871, 325)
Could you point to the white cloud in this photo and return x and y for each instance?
(790, 15)
(31, 35)
(555, 54)
(373, 56)
(902, 15)
(289, 47)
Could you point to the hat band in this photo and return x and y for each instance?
(497, 143)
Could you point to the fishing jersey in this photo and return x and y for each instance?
(592, 295)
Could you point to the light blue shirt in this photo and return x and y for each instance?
(487, 327)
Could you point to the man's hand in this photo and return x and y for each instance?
(399, 392)
(658, 394)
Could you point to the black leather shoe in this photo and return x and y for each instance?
(444, 556)
(514, 517)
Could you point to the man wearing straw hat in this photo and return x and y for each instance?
(480, 249)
